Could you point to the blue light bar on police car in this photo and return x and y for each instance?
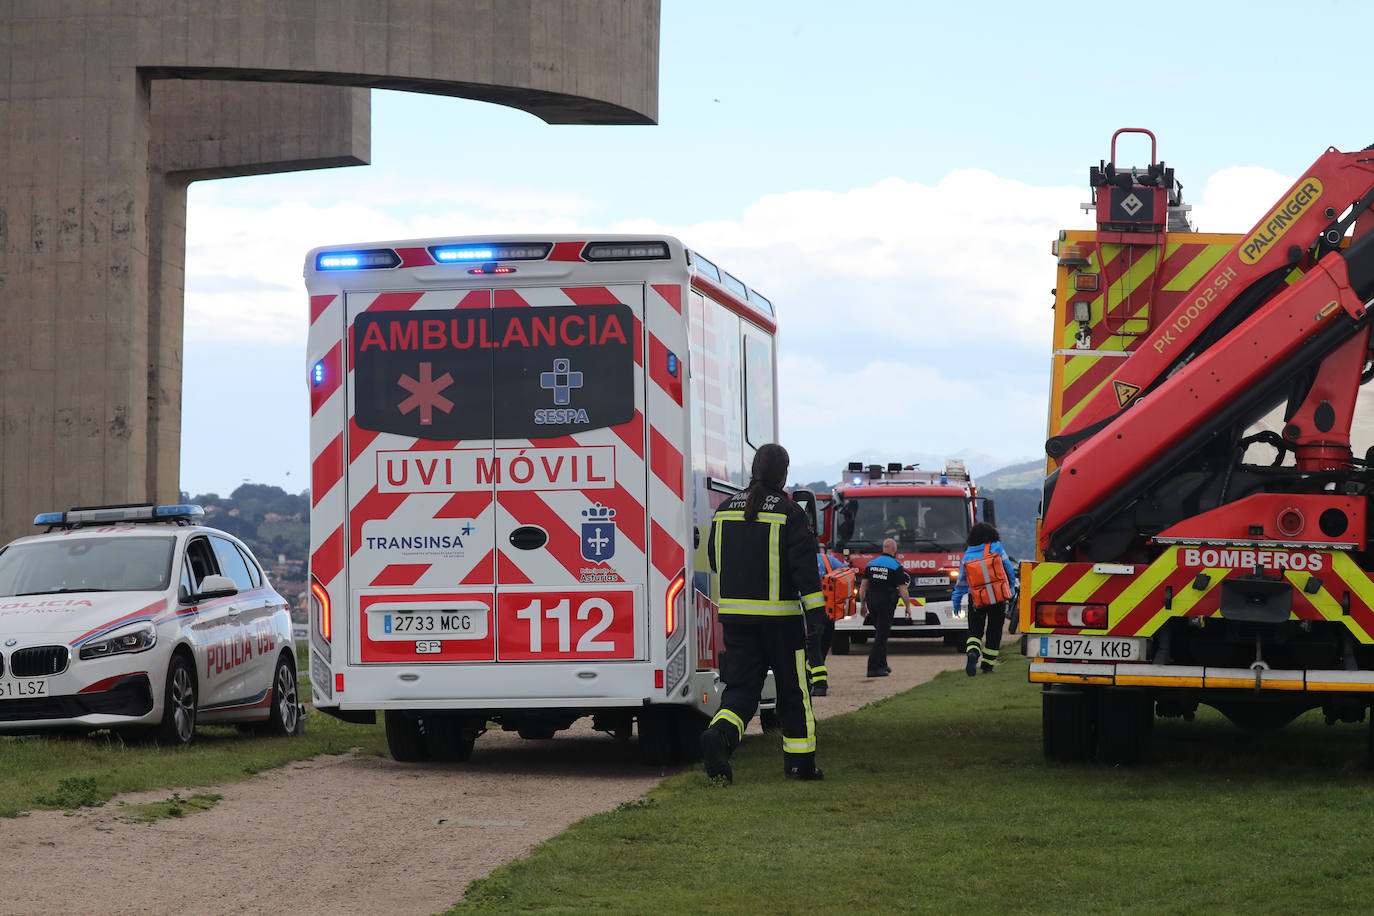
(466, 254)
(105, 515)
(367, 259)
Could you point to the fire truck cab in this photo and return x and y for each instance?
(928, 514)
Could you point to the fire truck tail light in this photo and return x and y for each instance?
(1082, 616)
(675, 603)
(953, 573)
(320, 610)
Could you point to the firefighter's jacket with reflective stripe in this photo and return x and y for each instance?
(767, 566)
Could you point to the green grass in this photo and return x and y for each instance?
(940, 799)
(173, 806)
(69, 772)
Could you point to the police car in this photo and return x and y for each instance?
(137, 616)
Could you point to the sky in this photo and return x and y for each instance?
(890, 174)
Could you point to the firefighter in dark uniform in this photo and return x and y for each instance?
(884, 581)
(770, 601)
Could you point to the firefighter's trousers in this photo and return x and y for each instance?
(753, 644)
(985, 630)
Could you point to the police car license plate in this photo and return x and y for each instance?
(1095, 648)
(441, 624)
(25, 687)
(932, 580)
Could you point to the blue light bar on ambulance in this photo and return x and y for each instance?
(457, 254)
(625, 251)
(107, 515)
(368, 259)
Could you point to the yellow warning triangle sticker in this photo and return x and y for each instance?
(1124, 392)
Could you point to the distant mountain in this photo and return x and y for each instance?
(1025, 475)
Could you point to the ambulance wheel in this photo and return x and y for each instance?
(178, 724)
(1068, 723)
(450, 738)
(655, 736)
(839, 644)
(769, 720)
(405, 736)
(688, 725)
(955, 640)
(285, 718)
(1125, 719)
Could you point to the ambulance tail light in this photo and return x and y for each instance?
(1077, 616)
(320, 611)
(675, 605)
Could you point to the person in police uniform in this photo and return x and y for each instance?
(882, 583)
(764, 551)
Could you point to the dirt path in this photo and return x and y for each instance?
(352, 834)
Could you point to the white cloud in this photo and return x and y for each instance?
(1236, 198)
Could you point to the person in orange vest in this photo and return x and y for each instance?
(988, 578)
(817, 649)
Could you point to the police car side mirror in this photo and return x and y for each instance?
(217, 587)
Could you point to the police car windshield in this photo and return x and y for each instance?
(97, 564)
(918, 523)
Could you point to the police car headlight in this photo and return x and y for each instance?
(134, 639)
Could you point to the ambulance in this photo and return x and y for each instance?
(517, 443)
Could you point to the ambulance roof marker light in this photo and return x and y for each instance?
(363, 259)
(485, 255)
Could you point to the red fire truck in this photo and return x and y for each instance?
(516, 443)
(928, 513)
(1204, 533)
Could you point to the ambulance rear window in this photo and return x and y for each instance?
(500, 373)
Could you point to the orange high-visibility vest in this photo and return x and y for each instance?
(987, 579)
(838, 589)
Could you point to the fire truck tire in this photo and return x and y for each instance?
(449, 738)
(405, 737)
(839, 644)
(1067, 722)
(1125, 719)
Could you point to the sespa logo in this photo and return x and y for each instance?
(1269, 560)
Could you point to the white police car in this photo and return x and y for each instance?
(134, 616)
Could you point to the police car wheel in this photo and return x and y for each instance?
(285, 715)
(178, 724)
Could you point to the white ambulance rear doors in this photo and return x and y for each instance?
(496, 488)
